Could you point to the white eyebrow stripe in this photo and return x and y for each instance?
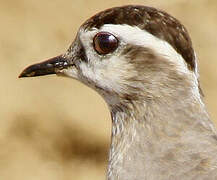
(136, 36)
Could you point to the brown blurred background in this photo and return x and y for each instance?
(55, 128)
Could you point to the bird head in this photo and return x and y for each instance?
(128, 53)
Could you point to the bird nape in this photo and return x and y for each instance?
(141, 61)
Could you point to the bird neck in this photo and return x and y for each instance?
(141, 130)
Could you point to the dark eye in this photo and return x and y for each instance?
(105, 42)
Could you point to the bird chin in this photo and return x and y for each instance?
(70, 72)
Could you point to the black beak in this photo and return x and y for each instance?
(50, 66)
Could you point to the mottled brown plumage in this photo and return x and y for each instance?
(156, 22)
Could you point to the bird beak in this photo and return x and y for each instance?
(50, 66)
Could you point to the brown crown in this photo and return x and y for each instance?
(156, 22)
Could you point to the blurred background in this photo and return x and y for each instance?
(55, 128)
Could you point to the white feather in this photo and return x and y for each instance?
(136, 36)
(106, 72)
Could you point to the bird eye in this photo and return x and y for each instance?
(105, 43)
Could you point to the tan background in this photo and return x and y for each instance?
(57, 129)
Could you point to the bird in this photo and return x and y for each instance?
(141, 61)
